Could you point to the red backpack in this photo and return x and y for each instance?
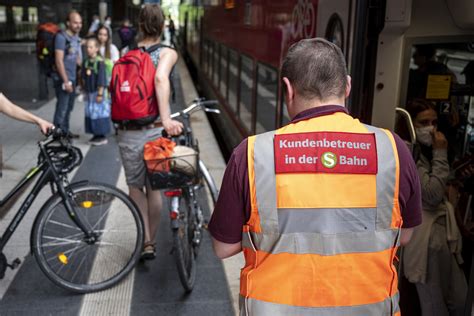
(133, 88)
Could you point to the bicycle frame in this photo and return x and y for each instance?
(48, 175)
(42, 181)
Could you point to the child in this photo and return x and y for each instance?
(98, 106)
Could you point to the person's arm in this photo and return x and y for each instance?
(224, 250)
(168, 58)
(114, 53)
(405, 236)
(16, 112)
(434, 174)
(100, 82)
(60, 44)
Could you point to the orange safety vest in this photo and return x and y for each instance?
(320, 243)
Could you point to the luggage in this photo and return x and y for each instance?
(170, 166)
(132, 87)
(45, 37)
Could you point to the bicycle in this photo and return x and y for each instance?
(186, 187)
(87, 236)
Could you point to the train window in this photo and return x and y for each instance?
(215, 74)
(209, 59)
(233, 79)
(205, 52)
(267, 89)
(246, 85)
(223, 71)
(3, 14)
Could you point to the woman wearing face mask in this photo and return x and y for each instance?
(432, 257)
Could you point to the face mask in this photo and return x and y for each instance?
(423, 135)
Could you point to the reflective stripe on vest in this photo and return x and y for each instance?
(328, 251)
(271, 309)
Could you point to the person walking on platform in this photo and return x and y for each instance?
(132, 138)
(68, 56)
(319, 206)
(16, 112)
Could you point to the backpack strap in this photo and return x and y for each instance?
(152, 48)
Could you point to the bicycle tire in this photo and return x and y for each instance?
(81, 266)
(183, 244)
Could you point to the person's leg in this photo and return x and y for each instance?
(456, 288)
(62, 105)
(155, 204)
(140, 198)
(70, 106)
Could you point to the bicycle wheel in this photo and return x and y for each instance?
(183, 243)
(79, 264)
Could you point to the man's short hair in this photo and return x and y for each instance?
(71, 13)
(316, 68)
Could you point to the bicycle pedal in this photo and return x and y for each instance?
(14, 264)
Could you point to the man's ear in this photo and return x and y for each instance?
(290, 91)
(348, 86)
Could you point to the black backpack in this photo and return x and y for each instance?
(45, 46)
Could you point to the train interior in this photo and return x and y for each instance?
(436, 61)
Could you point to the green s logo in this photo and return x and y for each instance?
(329, 159)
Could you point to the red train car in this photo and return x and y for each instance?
(237, 47)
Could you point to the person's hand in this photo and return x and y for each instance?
(439, 140)
(44, 126)
(173, 127)
(99, 98)
(68, 87)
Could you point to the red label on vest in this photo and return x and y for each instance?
(325, 152)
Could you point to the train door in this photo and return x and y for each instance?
(425, 64)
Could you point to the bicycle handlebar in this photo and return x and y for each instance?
(198, 104)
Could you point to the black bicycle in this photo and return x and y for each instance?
(188, 184)
(87, 236)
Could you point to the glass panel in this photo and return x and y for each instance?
(33, 14)
(246, 84)
(17, 14)
(233, 75)
(216, 66)
(3, 14)
(267, 89)
(209, 59)
(223, 77)
(205, 51)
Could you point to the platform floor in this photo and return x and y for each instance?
(153, 288)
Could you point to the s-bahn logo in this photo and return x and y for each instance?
(303, 19)
(329, 159)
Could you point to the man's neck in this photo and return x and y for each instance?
(308, 104)
(70, 33)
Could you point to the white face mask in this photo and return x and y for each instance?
(424, 135)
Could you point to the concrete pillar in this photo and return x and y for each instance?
(10, 26)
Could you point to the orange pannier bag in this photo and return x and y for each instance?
(157, 154)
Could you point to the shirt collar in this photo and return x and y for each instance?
(318, 111)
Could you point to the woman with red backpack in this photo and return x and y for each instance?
(133, 133)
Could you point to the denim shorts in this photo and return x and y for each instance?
(131, 151)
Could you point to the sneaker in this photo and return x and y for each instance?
(98, 141)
